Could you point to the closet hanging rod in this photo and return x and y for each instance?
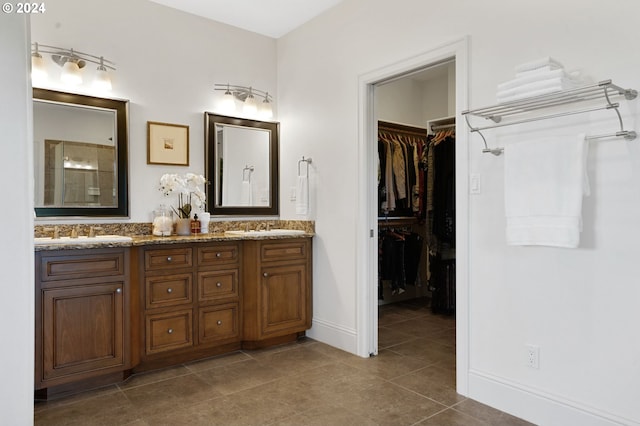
(443, 126)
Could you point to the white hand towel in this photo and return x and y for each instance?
(532, 78)
(545, 181)
(302, 196)
(536, 88)
(246, 193)
(547, 61)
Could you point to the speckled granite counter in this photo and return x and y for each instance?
(140, 234)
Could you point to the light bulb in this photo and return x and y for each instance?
(71, 73)
(250, 107)
(102, 81)
(228, 103)
(38, 69)
(266, 111)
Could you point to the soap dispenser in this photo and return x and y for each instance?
(195, 225)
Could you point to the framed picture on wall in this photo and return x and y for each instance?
(167, 144)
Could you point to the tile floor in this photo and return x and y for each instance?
(410, 382)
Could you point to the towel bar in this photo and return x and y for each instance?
(524, 108)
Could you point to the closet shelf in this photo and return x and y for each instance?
(538, 108)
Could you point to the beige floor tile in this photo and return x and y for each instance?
(433, 382)
(392, 405)
(155, 376)
(326, 415)
(452, 417)
(217, 361)
(388, 336)
(488, 414)
(238, 376)
(106, 410)
(72, 399)
(387, 364)
(165, 396)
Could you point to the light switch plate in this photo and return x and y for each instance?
(474, 183)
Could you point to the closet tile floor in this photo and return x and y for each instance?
(410, 382)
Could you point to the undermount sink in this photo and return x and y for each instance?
(82, 240)
(273, 232)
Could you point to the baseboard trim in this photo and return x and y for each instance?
(536, 406)
(334, 334)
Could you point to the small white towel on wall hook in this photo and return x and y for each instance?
(302, 189)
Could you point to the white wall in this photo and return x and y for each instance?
(16, 244)
(167, 63)
(579, 306)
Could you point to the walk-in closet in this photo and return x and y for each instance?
(416, 205)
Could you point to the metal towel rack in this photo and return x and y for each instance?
(524, 110)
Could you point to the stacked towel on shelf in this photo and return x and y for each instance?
(536, 78)
(545, 181)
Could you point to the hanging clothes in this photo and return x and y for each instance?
(399, 252)
(400, 181)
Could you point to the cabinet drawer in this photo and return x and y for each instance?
(168, 331)
(218, 254)
(219, 322)
(67, 266)
(163, 259)
(213, 285)
(168, 290)
(288, 250)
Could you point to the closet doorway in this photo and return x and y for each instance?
(443, 72)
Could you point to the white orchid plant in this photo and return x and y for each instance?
(189, 190)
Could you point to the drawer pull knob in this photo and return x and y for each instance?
(218, 285)
(169, 290)
(118, 290)
(265, 275)
(170, 331)
(218, 254)
(219, 322)
(169, 259)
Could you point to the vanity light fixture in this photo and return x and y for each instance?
(72, 63)
(247, 96)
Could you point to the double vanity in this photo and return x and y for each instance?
(109, 306)
(111, 299)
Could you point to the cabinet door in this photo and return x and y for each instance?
(284, 299)
(83, 329)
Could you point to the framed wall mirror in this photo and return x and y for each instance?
(241, 165)
(80, 154)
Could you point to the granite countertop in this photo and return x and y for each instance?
(142, 240)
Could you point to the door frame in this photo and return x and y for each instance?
(367, 229)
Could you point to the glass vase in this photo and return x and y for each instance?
(183, 226)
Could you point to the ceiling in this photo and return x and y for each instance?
(273, 18)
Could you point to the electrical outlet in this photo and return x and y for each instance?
(533, 356)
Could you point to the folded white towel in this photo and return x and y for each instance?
(302, 196)
(547, 61)
(246, 193)
(545, 181)
(532, 78)
(541, 70)
(536, 89)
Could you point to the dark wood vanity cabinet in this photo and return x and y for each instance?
(191, 301)
(82, 323)
(98, 319)
(276, 291)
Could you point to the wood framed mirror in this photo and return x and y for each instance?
(80, 155)
(241, 165)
